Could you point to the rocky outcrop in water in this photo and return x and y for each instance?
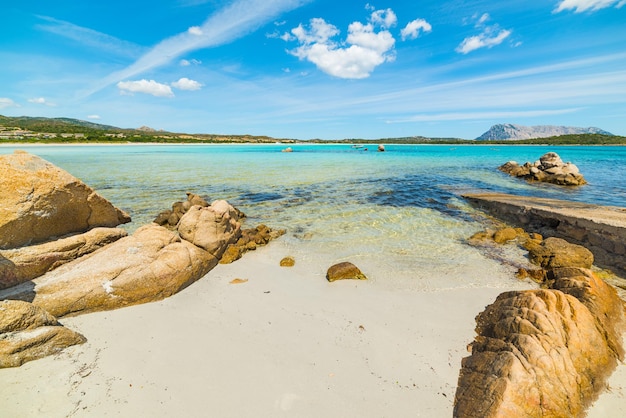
(549, 169)
(40, 201)
(28, 332)
(509, 131)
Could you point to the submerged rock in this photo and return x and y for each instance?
(40, 201)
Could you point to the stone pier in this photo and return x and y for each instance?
(601, 229)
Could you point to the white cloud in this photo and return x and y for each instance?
(580, 6)
(490, 36)
(234, 21)
(6, 102)
(384, 18)
(187, 84)
(363, 50)
(195, 30)
(413, 28)
(41, 101)
(96, 117)
(145, 86)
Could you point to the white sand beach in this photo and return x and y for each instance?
(284, 343)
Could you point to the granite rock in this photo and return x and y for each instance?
(344, 271)
(21, 264)
(550, 168)
(40, 201)
(28, 332)
(556, 252)
(149, 265)
(543, 352)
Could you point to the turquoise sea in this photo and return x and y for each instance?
(398, 214)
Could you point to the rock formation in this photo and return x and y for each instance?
(543, 352)
(600, 229)
(170, 218)
(344, 271)
(550, 169)
(28, 332)
(250, 239)
(149, 265)
(40, 201)
(22, 264)
(211, 228)
(556, 252)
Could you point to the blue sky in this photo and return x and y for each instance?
(317, 68)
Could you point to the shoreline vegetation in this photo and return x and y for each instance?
(34, 130)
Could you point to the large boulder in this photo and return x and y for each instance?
(556, 252)
(149, 265)
(211, 228)
(28, 332)
(26, 263)
(543, 352)
(550, 168)
(40, 201)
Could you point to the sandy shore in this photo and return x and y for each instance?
(284, 343)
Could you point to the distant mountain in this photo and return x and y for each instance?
(40, 124)
(509, 131)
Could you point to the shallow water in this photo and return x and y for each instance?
(397, 214)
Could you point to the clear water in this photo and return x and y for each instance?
(397, 214)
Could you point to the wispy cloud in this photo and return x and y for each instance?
(187, 63)
(94, 117)
(454, 116)
(238, 19)
(5, 102)
(90, 37)
(490, 36)
(580, 6)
